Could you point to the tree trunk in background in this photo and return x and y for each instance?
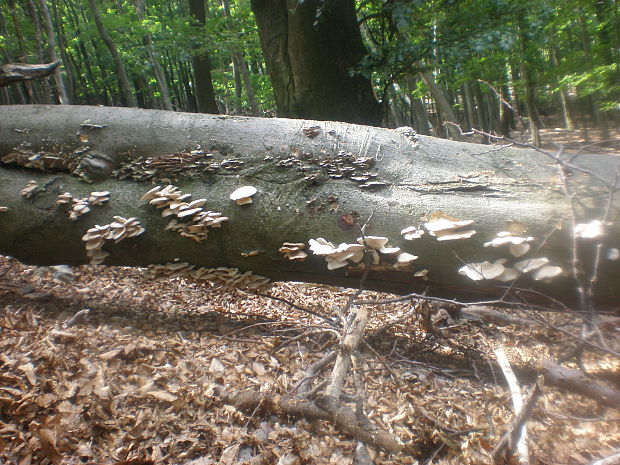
(51, 42)
(444, 108)
(203, 83)
(530, 98)
(310, 49)
(125, 87)
(422, 177)
(567, 119)
(47, 92)
(29, 97)
(470, 106)
(418, 108)
(240, 70)
(154, 59)
(67, 60)
(599, 118)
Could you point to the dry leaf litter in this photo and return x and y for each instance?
(130, 381)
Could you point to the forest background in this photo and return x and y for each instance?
(495, 65)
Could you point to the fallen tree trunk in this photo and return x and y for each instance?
(15, 72)
(314, 179)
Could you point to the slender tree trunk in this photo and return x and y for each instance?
(599, 118)
(470, 106)
(67, 60)
(154, 59)
(240, 70)
(47, 93)
(126, 90)
(567, 118)
(530, 99)
(445, 110)
(51, 41)
(203, 83)
(418, 108)
(21, 48)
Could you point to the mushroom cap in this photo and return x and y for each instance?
(443, 224)
(530, 264)
(483, 270)
(405, 258)
(243, 192)
(590, 230)
(547, 272)
(412, 233)
(376, 242)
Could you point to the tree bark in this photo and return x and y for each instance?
(203, 84)
(126, 90)
(311, 49)
(311, 183)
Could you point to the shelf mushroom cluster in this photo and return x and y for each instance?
(501, 270)
(344, 254)
(293, 251)
(117, 230)
(82, 206)
(189, 218)
(30, 189)
(222, 277)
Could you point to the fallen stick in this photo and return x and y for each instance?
(323, 408)
(515, 435)
(576, 381)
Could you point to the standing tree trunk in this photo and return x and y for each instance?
(154, 59)
(530, 91)
(203, 83)
(418, 108)
(240, 69)
(29, 98)
(445, 110)
(47, 92)
(126, 89)
(599, 118)
(311, 49)
(51, 41)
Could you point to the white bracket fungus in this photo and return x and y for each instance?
(4, 209)
(194, 219)
(222, 277)
(117, 230)
(412, 233)
(405, 259)
(517, 245)
(243, 195)
(336, 257)
(293, 251)
(376, 242)
(30, 189)
(445, 229)
(530, 264)
(482, 270)
(82, 206)
(547, 273)
(591, 230)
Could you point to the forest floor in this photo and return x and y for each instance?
(586, 140)
(132, 382)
